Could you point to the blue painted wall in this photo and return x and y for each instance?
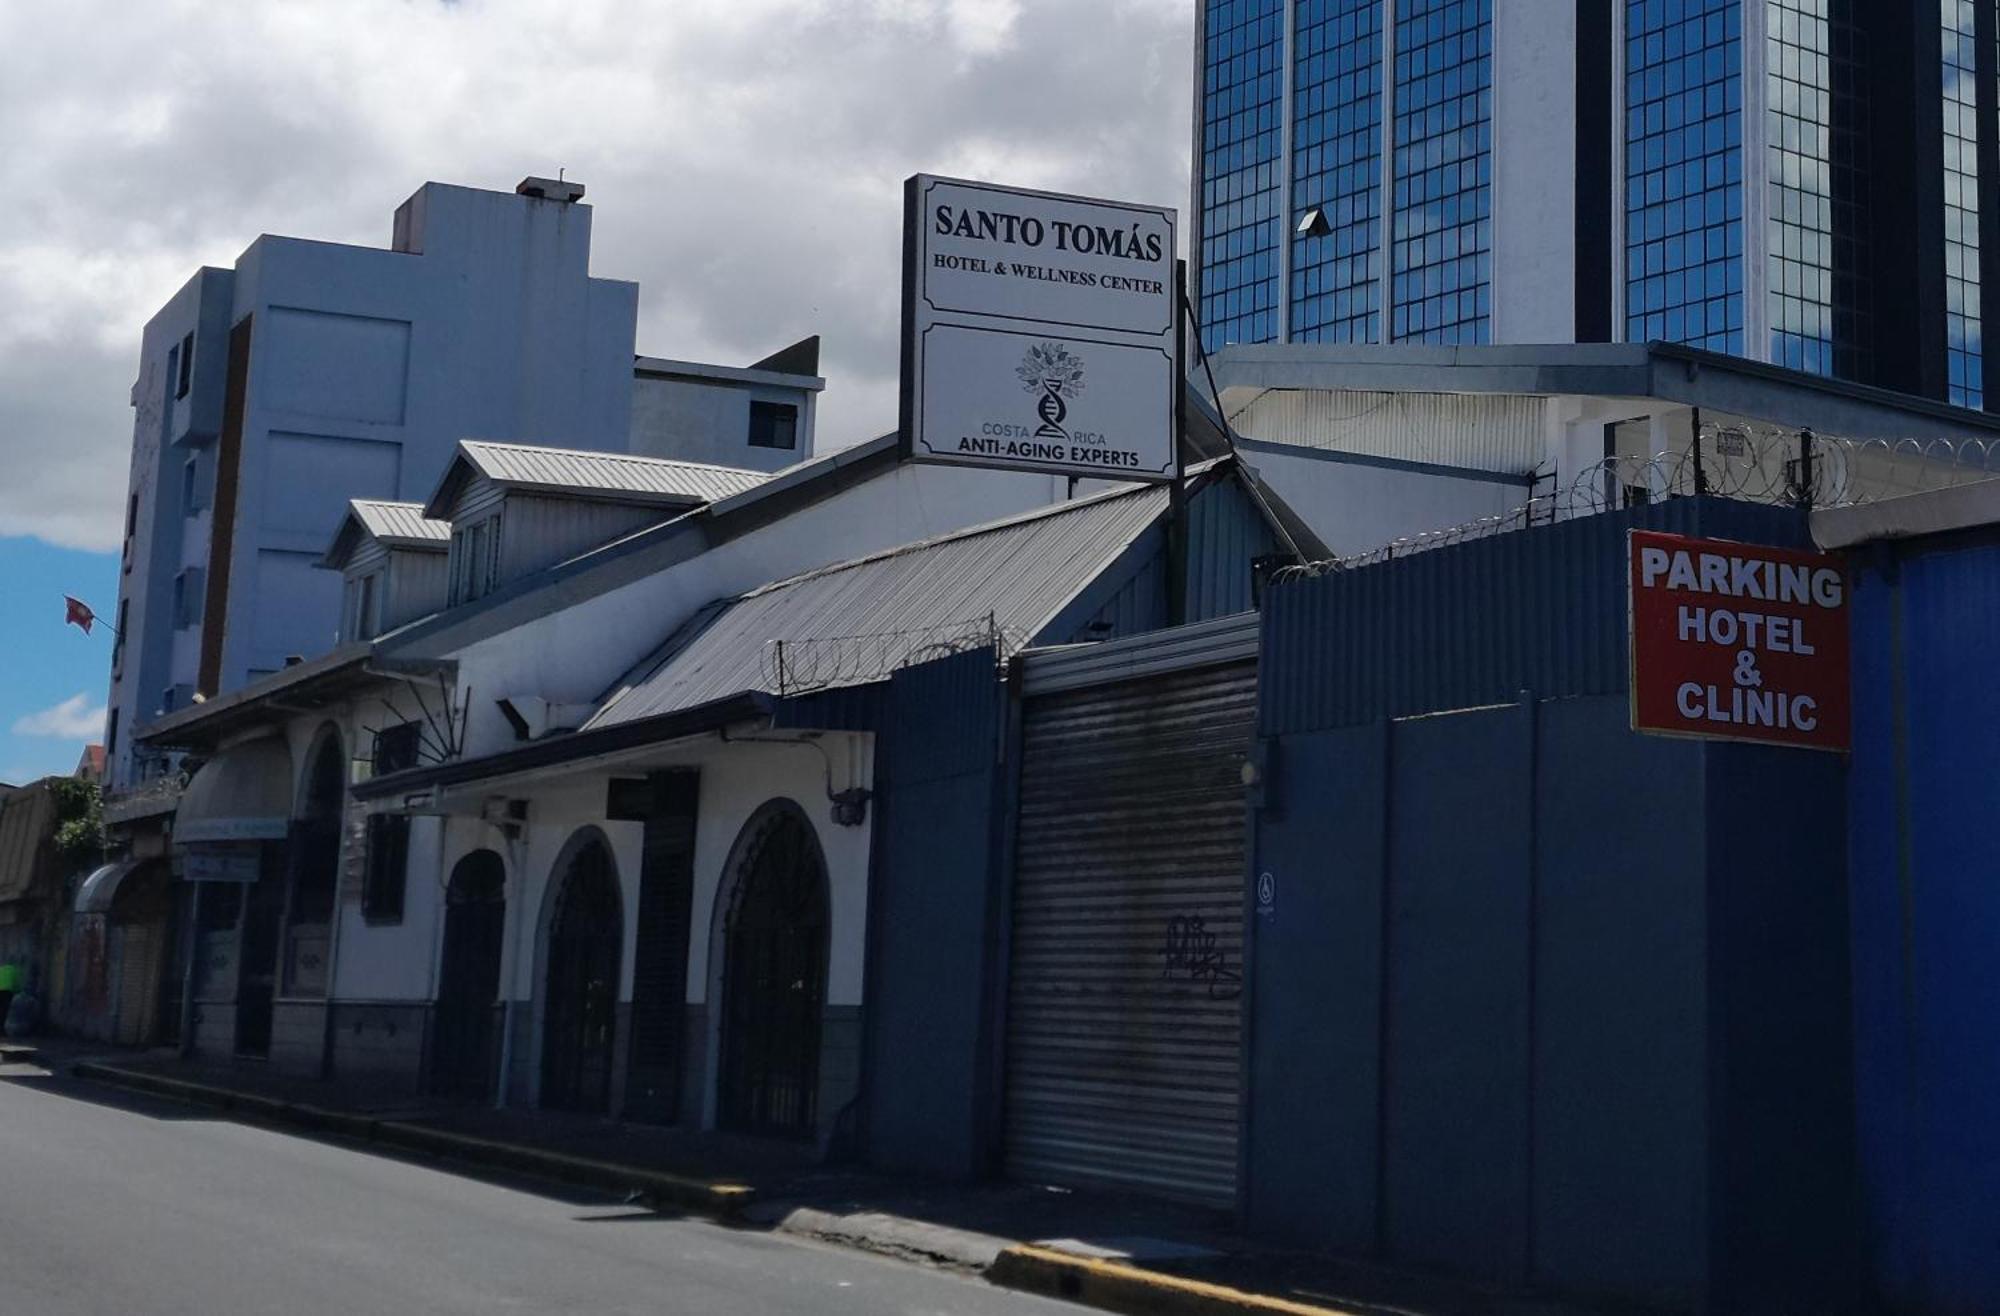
(935, 957)
(1923, 854)
(1541, 1000)
(367, 366)
(1477, 1005)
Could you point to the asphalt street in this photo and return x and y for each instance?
(112, 1205)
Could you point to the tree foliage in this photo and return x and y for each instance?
(79, 835)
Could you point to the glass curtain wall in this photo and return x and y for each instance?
(1798, 126)
(1242, 104)
(1442, 239)
(1964, 349)
(1684, 274)
(1336, 171)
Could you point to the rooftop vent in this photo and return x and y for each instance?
(549, 189)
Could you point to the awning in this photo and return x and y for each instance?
(244, 793)
(101, 887)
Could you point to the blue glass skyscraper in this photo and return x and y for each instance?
(1808, 183)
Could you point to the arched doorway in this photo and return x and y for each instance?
(774, 978)
(475, 923)
(586, 933)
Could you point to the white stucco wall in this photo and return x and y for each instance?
(736, 780)
(557, 810)
(734, 786)
(575, 654)
(398, 961)
(1357, 508)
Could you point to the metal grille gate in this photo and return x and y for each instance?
(1124, 1000)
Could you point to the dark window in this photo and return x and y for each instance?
(118, 640)
(396, 748)
(362, 621)
(221, 904)
(189, 595)
(186, 366)
(111, 738)
(475, 560)
(774, 425)
(388, 866)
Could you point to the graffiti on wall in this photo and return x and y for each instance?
(1193, 955)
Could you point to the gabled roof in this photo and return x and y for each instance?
(851, 622)
(611, 476)
(397, 525)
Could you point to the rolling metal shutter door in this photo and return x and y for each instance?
(1124, 1032)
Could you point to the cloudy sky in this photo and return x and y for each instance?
(744, 158)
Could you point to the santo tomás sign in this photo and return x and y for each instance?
(1039, 331)
(1738, 641)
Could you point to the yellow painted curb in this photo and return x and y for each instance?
(1114, 1286)
(724, 1201)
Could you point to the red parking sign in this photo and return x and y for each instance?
(1738, 642)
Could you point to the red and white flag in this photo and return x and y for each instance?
(78, 614)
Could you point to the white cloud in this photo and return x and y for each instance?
(744, 158)
(75, 718)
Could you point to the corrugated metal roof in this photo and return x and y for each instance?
(399, 525)
(519, 465)
(403, 524)
(855, 622)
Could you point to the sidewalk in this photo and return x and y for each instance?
(1105, 1250)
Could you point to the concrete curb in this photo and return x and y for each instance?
(718, 1200)
(890, 1236)
(1112, 1286)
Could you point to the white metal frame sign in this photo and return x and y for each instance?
(1039, 331)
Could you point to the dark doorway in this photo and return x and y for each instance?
(774, 985)
(257, 961)
(475, 920)
(653, 1074)
(314, 843)
(585, 933)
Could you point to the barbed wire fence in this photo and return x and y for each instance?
(801, 666)
(1770, 465)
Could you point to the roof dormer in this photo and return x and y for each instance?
(393, 562)
(515, 509)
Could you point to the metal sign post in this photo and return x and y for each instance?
(1177, 508)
